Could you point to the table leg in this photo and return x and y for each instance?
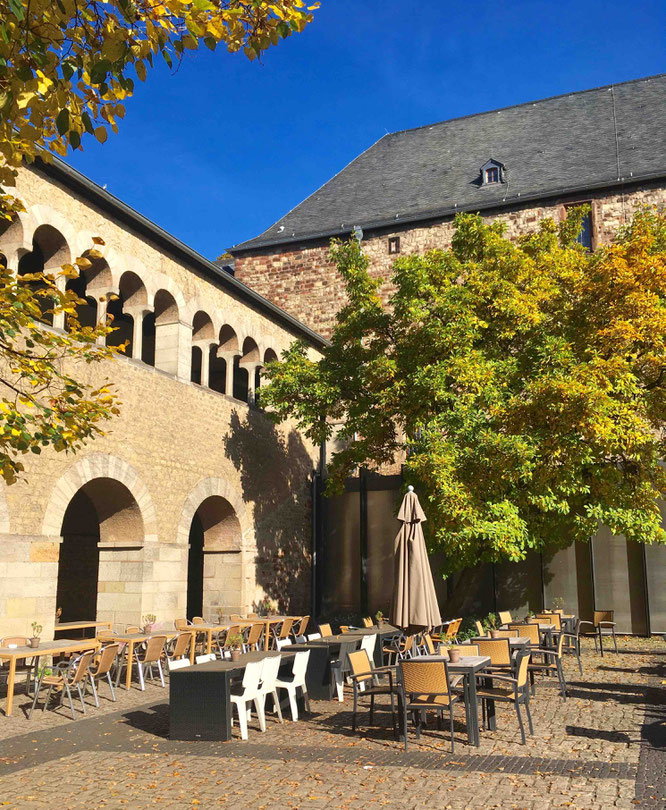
(267, 631)
(473, 730)
(130, 664)
(209, 641)
(193, 647)
(10, 686)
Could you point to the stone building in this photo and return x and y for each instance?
(521, 164)
(194, 499)
(604, 147)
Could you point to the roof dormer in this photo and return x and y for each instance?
(492, 172)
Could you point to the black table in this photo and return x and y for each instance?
(199, 696)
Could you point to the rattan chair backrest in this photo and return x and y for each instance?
(479, 628)
(528, 630)
(181, 624)
(285, 630)
(154, 647)
(133, 628)
(521, 674)
(408, 643)
(182, 646)
(533, 620)
(452, 629)
(80, 671)
(325, 630)
(198, 620)
(302, 626)
(367, 621)
(430, 647)
(551, 618)
(105, 658)
(505, 616)
(344, 628)
(235, 617)
(253, 615)
(425, 677)
(603, 616)
(231, 631)
(360, 664)
(497, 649)
(255, 633)
(469, 649)
(506, 633)
(20, 641)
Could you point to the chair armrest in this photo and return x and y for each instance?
(494, 677)
(580, 624)
(543, 651)
(607, 624)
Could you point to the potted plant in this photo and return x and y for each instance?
(491, 624)
(148, 623)
(379, 617)
(235, 642)
(558, 605)
(36, 630)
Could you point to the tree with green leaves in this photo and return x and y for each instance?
(66, 71)
(522, 382)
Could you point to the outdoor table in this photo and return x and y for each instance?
(62, 627)
(134, 639)
(384, 632)
(199, 696)
(60, 646)
(515, 644)
(338, 647)
(467, 666)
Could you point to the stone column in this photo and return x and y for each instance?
(229, 360)
(205, 363)
(251, 392)
(138, 312)
(102, 300)
(61, 283)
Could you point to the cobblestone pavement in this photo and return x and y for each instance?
(605, 747)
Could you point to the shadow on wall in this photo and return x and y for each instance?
(275, 473)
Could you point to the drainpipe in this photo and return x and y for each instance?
(317, 531)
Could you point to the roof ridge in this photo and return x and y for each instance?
(527, 103)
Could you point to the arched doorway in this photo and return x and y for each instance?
(213, 565)
(102, 511)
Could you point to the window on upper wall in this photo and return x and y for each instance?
(585, 236)
(394, 245)
(492, 175)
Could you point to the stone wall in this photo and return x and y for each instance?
(175, 445)
(300, 278)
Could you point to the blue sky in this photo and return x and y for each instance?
(218, 151)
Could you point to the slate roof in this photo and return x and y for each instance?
(584, 140)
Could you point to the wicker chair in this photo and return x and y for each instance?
(511, 690)
(105, 660)
(552, 663)
(527, 630)
(366, 683)
(182, 624)
(506, 633)
(23, 665)
(284, 632)
(603, 624)
(325, 630)
(66, 676)
(479, 628)
(222, 640)
(299, 628)
(180, 647)
(499, 652)
(505, 617)
(152, 654)
(253, 637)
(551, 618)
(425, 685)
(367, 621)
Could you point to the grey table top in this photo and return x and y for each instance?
(226, 665)
(467, 663)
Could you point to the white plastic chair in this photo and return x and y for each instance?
(250, 694)
(297, 681)
(179, 663)
(282, 642)
(314, 636)
(205, 658)
(269, 676)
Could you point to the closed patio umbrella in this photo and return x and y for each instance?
(414, 599)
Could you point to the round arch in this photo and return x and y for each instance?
(99, 465)
(208, 488)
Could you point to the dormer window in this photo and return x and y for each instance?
(492, 172)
